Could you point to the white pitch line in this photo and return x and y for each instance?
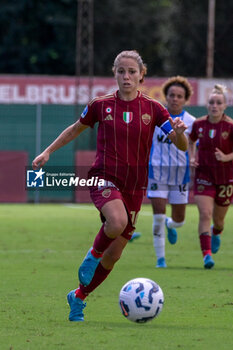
(80, 206)
(30, 251)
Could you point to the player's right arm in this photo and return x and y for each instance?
(177, 136)
(192, 153)
(223, 157)
(65, 137)
(192, 148)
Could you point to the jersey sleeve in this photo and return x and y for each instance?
(193, 135)
(188, 120)
(162, 114)
(89, 115)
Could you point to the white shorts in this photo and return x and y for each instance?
(176, 194)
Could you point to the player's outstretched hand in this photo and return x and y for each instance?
(177, 125)
(40, 160)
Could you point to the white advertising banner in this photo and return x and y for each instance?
(206, 85)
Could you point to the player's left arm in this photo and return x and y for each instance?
(222, 157)
(177, 136)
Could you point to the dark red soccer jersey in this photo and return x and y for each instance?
(124, 138)
(210, 136)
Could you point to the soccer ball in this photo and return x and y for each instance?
(141, 300)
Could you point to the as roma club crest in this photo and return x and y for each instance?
(127, 117)
(212, 133)
(225, 135)
(200, 188)
(146, 118)
(106, 193)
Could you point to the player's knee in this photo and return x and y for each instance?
(178, 217)
(158, 224)
(205, 214)
(116, 225)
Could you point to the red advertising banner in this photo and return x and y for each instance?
(16, 89)
(12, 176)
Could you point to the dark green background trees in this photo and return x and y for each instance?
(39, 36)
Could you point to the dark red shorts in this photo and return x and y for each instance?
(132, 204)
(222, 194)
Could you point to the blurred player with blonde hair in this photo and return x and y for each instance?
(213, 183)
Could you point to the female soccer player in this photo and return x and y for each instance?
(169, 170)
(213, 183)
(126, 122)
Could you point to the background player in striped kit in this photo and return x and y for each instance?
(213, 182)
(126, 122)
(169, 170)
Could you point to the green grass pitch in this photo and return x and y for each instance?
(41, 247)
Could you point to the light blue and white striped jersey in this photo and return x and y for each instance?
(168, 165)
